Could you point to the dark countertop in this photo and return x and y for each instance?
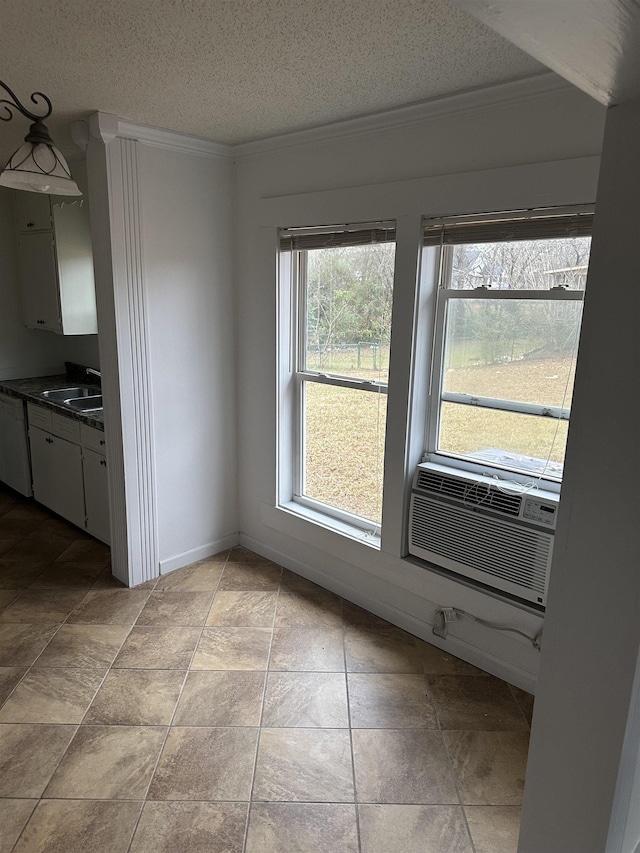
(30, 390)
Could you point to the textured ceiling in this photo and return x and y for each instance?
(239, 70)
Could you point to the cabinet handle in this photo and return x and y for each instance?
(29, 224)
(40, 322)
(102, 442)
(49, 440)
(102, 462)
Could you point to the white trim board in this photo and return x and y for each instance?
(505, 188)
(179, 561)
(466, 101)
(106, 126)
(117, 230)
(404, 576)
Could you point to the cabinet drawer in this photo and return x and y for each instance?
(39, 416)
(65, 427)
(93, 438)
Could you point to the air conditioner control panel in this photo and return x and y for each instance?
(541, 512)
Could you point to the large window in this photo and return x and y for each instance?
(506, 335)
(342, 283)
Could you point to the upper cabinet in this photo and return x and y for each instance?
(56, 264)
(33, 212)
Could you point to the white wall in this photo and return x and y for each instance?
(83, 349)
(519, 145)
(186, 205)
(161, 206)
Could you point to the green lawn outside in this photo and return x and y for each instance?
(345, 429)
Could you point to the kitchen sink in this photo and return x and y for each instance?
(61, 395)
(80, 398)
(84, 404)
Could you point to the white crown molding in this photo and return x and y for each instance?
(103, 126)
(459, 102)
(106, 127)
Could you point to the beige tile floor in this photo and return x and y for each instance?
(233, 706)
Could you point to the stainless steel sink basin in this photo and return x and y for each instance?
(79, 398)
(61, 395)
(84, 404)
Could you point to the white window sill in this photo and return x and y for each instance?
(321, 519)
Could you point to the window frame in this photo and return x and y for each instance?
(444, 294)
(301, 375)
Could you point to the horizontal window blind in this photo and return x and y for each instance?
(497, 228)
(326, 237)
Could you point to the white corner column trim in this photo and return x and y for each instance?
(582, 791)
(124, 349)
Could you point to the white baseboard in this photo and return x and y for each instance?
(386, 610)
(201, 553)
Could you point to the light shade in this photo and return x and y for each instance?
(37, 166)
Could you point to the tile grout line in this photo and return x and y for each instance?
(264, 695)
(15, 843)
(31, 665)
(170, 726)
(40, 797)
(517, 701)
(436, 709)
(353, 758)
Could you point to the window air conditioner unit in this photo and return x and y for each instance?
(466, 523)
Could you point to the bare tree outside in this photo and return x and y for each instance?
(512, 349)
(349, 296)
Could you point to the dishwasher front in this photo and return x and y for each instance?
(15, 465)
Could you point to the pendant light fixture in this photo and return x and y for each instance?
(37, 166)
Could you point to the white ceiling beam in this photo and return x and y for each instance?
(595, 44)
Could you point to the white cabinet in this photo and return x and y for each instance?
(96, 482)
(37, 263)
(56, 466)
(56, 264)
(70, 469)
(96, 494)
(33, 212)
(93, 438)
(15, 468)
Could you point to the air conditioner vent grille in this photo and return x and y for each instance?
(469, 493)
(514, 556)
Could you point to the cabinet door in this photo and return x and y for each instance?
(15, 469)
(96, 492)
(33, 212)
(57, 475)
(75, 267)
(39, 281)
